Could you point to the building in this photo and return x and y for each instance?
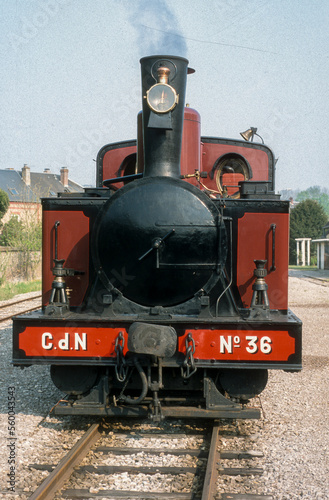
(25, 188)
(303, 256)
(322, 247)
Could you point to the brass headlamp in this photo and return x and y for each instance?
(162, 97)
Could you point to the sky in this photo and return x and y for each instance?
(70, 77)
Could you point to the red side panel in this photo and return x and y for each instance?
(119, 159)
(242, 345)
(73, 246)
(113, 165)
(191, 145)
(257, 159)
(50, 342)
(54, 341)
(255, 239)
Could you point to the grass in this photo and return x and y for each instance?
(9, 290)
(304, 268)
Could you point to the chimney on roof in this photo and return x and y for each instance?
(65, 176)
(46, 171)
(26, 175)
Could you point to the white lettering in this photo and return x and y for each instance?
(252, 346)
(236, 341)
(64, 344)
(265, 345)
(80, 342)
(46, 336)
(226, 344)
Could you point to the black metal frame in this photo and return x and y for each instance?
(102, 152)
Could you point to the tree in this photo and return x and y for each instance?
(4, 203)
(306, 221)
(25, 236)
(318, 194)
(10, 231)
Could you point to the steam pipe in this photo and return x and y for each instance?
(134, 401)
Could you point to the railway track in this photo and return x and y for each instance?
(14, 307)
(321, 279)
(86, 478)
(316, 281)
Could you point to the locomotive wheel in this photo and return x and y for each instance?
(242, 384)
(75, 380)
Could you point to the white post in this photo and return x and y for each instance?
(322, 255)
(297, 251)
(303, 253)
(308, 252)
(318, 255)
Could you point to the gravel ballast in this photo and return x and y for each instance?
(293, 433)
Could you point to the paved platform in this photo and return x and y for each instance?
(313, 273)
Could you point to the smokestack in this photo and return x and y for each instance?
(65, 176)
(163, 89)
(26, 175)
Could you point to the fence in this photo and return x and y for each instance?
(17, 265)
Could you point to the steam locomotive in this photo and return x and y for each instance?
(165, 287)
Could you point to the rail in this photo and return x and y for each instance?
(12, 305)
(64, 469)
